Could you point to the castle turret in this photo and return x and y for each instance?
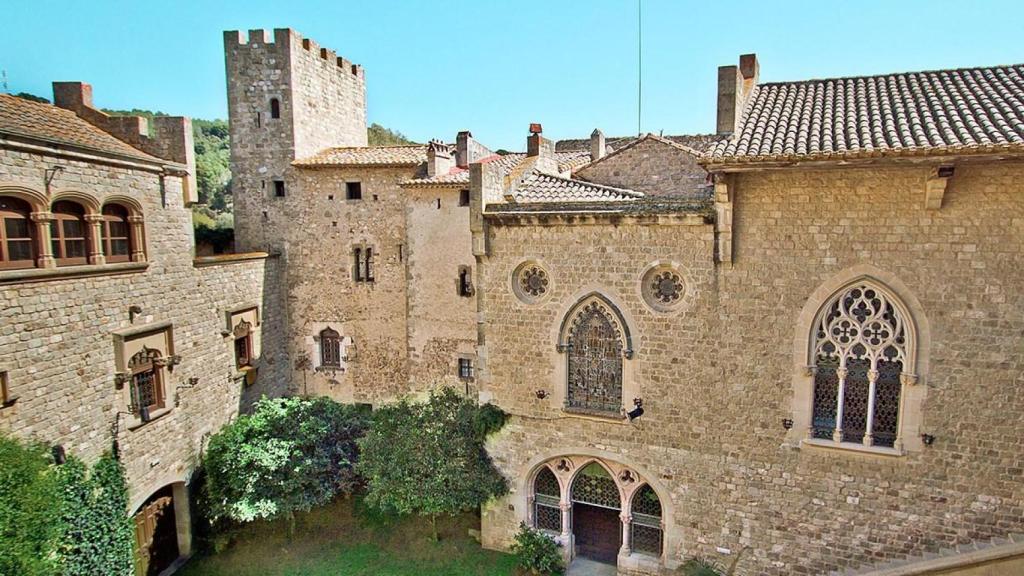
(287, 98)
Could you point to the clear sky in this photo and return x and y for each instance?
(435, 67)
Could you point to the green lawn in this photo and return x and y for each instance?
(346, 539)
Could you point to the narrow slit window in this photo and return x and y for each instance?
(275, 108)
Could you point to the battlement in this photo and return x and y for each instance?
(284, 39)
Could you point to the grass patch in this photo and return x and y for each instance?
(345, 538)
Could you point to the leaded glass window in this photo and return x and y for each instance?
(595, 352)
(595, 486)
(546, 499)
(146, 387)
(860, 348)
(645, 528)
(330, 348)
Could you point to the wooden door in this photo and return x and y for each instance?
(598, 532)
(151, 538)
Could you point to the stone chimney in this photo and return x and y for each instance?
(439, 158)
(537, 144)
(735, 83)
(597, 146)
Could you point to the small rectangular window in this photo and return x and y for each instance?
(463, 197)
(465, 281)
(465, 368)
(279, 188)
(354, 190)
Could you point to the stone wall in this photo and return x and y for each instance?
(717, 379)
(442, 324)
(57, 333)
(651, 166)
(322, 230)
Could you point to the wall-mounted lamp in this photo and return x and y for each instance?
(638, 411)
(787, 423)
(541, 394)
(172, 361)
(59, 457)
(133, 311)
(928, 439)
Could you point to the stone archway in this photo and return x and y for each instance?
(162, 530)
(596, 510)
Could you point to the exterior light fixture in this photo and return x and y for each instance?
(541, 394)
(59, 457)
(787, 423)
(946, 171)
(928, 439)
(638, 411)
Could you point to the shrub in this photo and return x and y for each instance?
(30, 510)
(98, 536)
(700, 567)
(537, 552)
(429, 458)
(289, 455)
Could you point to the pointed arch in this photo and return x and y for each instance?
(581, 304)
(596, 340)
(547, 500)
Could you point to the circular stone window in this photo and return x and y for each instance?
(530, 282)
(664, 288)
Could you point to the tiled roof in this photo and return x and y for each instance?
(409, 155)
(699, 142)
(965, 111)
(457, 176)
(569, 161)
(538, 187)
(46, 122)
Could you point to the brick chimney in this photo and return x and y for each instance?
(735, 83)
(439, 158)
(537, 144)
(597, 145)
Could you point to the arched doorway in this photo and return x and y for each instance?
(156, 533)
(596, 507)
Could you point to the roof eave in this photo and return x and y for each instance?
(915, 156)
(64, 146)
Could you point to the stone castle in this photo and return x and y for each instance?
(796, 344)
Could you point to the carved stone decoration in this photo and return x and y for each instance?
(663, 288)
(564, 465)
(531, 282)
(627, 477)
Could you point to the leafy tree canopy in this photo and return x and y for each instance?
(429, 458)
(289, 455)
(377, 135)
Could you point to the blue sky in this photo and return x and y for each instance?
(438, 66)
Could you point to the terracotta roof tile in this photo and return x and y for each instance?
(699, 142)
(971, 110)
(46, 122)
(409, 155)
(538, 187)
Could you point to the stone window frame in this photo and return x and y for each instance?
(279, 189)
(630, 364)
(249, 313)
(465, 368)
(464, 282)
(362, 263)
(18, 213)
(274, 108)
(45, 263)
(157, 337)
(643, 292)
(913, 384)
(566, 465)
(312, 345)
(515, 280)
(329, 340)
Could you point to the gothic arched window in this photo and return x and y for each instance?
(595, 342)
(860, 349)
(645, 527)
(330, 348)
(547, 494)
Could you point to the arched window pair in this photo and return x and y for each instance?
(595, 339)
(861, 350)
(76, 236)
(594, 487)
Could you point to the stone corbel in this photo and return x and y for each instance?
(935, 187)
(810, 371)
(723, 217)
(908, 379)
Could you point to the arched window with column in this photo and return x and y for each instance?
(645, 523)
(115, 233)
(595, 340)
(17, 238)
(861, 348)
(547, 494)
(69, 233)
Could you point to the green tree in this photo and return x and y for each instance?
(32, 97)
(30, 509)
(537, 552)
(289, 455)
(98, 535)
(429, 458)
(377, 135)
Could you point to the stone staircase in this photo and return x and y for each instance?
(998, 556)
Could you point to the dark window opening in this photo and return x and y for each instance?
(354, 190)
(363, 264)
(438, 203)
(463, 197)
(279, 188)
(5, 395)
(375, 198)
(275, 108)
(465, 281)
(330, 348)
(465, 368)
(259, 119)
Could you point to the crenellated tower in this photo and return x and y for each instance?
(287, 98)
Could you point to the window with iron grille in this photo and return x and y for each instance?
(595, 486)
(147, 393)
(860, 346)
(466, 368)
(547, 512)
(243, 344)
(645, 528)
(330, 348)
